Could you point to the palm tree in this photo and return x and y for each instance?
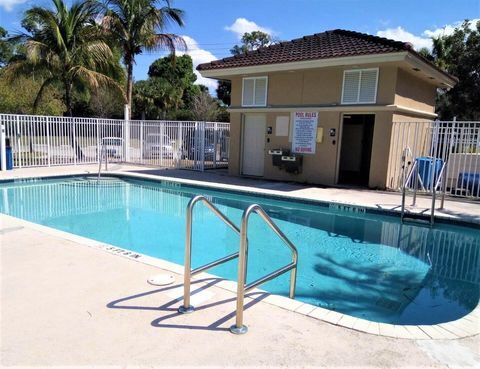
(66, 46)
(139, 25)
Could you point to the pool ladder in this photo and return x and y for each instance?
(242, 255)
(414, 176)
(103, 155)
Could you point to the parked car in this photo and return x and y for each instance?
(209, 153)
(208, 150)
(158, 145)
(113, 146)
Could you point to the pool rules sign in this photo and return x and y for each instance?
(304, 132)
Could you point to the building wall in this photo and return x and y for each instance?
(316, 86)
(322, 167)
(289, 91)
(414, 93)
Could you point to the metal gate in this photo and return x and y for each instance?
(173, 144)
(445, 155)
(37, 141)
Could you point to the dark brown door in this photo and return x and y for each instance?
(356, 150)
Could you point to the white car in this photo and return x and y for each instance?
(113, 146)
(158, 145)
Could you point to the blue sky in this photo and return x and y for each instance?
(214, 26)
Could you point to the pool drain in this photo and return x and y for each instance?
(161, 279)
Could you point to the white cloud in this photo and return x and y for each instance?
(424, 40)
(242, 26)
(9, 4)
(400, 34)
(448, 29)
(199, 56)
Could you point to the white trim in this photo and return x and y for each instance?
(377, 69)
(335, 108)
(416, 62)
(403, 56)
(306, 64)
(254, 89)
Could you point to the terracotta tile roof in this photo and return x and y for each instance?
(329, 44)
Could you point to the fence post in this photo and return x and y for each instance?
(141, 141)
(215, 145)
(19, 141)
(180, 145)
(126, 135)
(98, 141)
(202, 146)
(76, 148)
(48, 140)
(3, 148)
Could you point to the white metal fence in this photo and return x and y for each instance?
(447, 156)
(48, 141)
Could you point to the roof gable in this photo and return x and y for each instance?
(329, 44)
(337, 43)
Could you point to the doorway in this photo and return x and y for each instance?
(254, 144)
(356, 149)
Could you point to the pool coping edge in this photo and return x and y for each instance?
(466, 221)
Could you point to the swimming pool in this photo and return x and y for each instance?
(354, 262)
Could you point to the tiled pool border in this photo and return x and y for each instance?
(264, 193)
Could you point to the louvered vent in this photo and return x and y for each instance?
(360, 86)
(254, 91)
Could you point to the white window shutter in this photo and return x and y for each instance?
(254, 91)
(248, 91)
(351, 82)
(368, 86)
(260, 91)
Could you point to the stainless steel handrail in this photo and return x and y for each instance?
(242, 287)
(441, 181)
(404, 187)
(103, 153)
(186, 307)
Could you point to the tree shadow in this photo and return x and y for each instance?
(354, 289)
(173, 313)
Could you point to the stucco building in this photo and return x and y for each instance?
(327, 103)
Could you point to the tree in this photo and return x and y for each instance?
(459, 54)
(250, 41)
(176, 73)
(155, 97)
(65, 47)
(105, 102)
(17, 97)
(224, 91)
(205, 107)
(6, 48)
(138, 25)
(170, 87)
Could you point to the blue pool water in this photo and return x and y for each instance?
(365, 265)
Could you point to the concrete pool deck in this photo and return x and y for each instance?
(64, 280)
(64, 303)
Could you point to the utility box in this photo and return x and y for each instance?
(292, 164)
(277, 156)
(8, 155)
